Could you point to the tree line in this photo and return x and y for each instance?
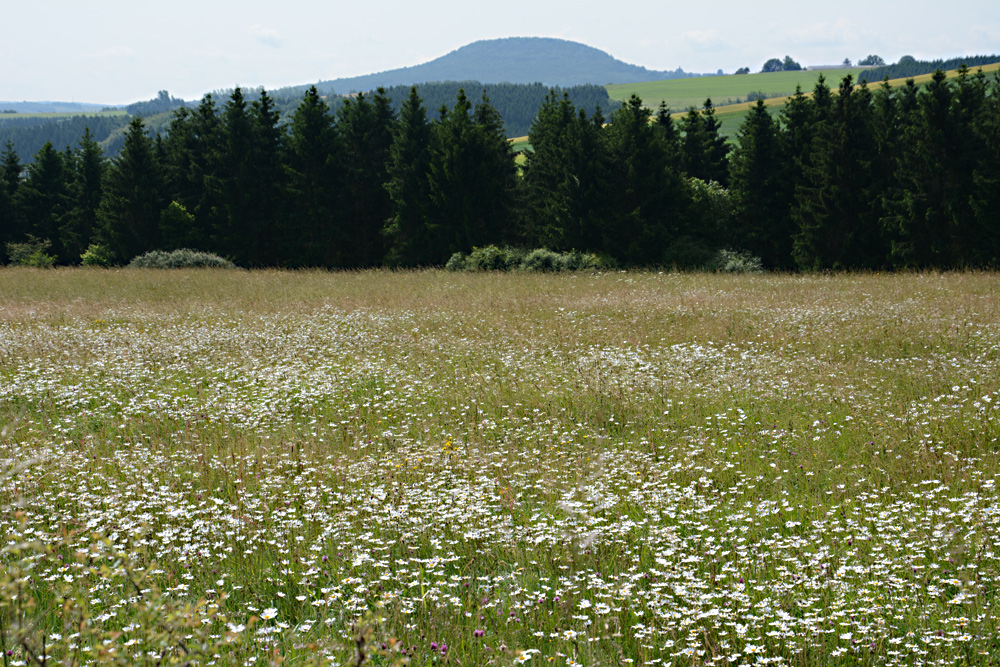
(845, 179)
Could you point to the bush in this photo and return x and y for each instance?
(456, 262)
(31, 253)
(541, 259)
(178, 259)
(732, 261)
(492, 258)
(97, 255)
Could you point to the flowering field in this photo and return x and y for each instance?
(471, 469)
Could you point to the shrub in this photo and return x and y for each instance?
(31, 253)
(456, 262)
(492, 258)
(542, 259)
(97, 255)
(177, 259)
(732, 261)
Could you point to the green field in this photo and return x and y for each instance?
(681, 94)
(434, 468)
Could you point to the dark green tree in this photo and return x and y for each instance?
(249, 179)
(43, 199)
(87, 169)
(407, 233)
(704, 151)
(650, 202)
(129, 216)
(923, 216)
(565, 179)
(763, 190)
(191, 169)
(836, 211)
(10, 176)
(472, 179)
(314, 182)
(365, 128)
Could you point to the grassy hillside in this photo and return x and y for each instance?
(732, 115)
(680, 94)
(779, 86)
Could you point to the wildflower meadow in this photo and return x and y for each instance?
(213, 467)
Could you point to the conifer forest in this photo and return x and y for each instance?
(856, 177)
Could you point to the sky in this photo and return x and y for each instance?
(122, 51)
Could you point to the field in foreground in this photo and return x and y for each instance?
(622, 469)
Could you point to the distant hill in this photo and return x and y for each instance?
(52, 107)
(553, 62)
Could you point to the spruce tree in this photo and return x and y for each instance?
(87, 169)
(500, 177)
(472, 179)
(42, 200)
(985, 201)
(365, 129)
(267, 180)
(762, 190)
(836, 212)
(704, 150)
(650, 201)
(129, 216)
(919, 219)
(547, 168)
(10, 176)
(407, 235)
(314, 181)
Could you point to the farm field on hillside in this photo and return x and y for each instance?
(681, 94)
(236, 467)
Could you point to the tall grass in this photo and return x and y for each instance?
(427, 467)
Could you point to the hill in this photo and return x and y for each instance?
(732, 116)
(553, 62)
(51, 107)
(680, 95)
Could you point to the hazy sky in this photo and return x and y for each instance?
(120, 51)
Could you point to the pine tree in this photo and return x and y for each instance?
(314, 182)
(565, 179)
(191, 171)
(10, 176)
(763, 190)
(650, 201)
(87, 168)
(836, 213)
(547, 168)
(500, 178)
(919, 220)
(472, 179)
(267, 180)
(407, 233)
(42, 200)
(704, 150)
(985, 201)
(365, 129)
(129, 216)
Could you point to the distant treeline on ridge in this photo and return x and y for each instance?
(855, 178)
(516, 103)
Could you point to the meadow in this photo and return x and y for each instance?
(681, 94)
(432, 468)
